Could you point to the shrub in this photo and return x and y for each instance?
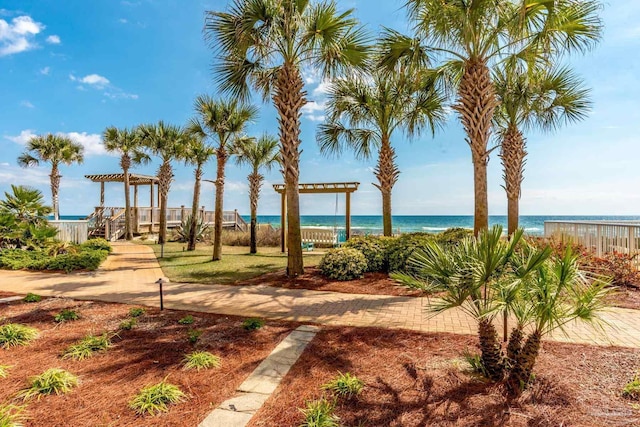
(32, 298)
(181, 233)
(154, 399)
(87, 259)
(4, 371)
(137, 312)
(87, 347)
(11, 416)
(14, 334)
(343, 264)
(374, 249)
(51, 381)
(193, 335)
(97, 244)
(345, 385)
(401, 248)
(319, 413)
(252, 324)
(266, 236)
(186, 320)
(127, 325)
(632, 389)
(201, 360)
(453, 236)
(18, 259)
(66, 315)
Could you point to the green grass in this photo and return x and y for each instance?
(236, 264)
(345, 385)
(51, 381)
(32, 298)
(87, 347)
(156, 398)
(11, 416)
(14, 334)
(66, 315)
(201, 360)
(4, 371)
(319, 413)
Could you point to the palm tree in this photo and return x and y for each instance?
(258, 154)
(543, 99)
(198, 154)
(131, 149)
(165, 141)
(25, 205)
(56, 150)
(365, 111)
(469, 37)
(223, 121)
(264, 44)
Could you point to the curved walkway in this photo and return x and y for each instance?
(129, 274)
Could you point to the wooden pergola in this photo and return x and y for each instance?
(318, 188)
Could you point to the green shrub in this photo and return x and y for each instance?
(51, 381)
(186, 320)
(343, 264)
(193, 335)
(374, 249)
(66, 315)
(127, 325)
(319, 413)
(401, 248)
(453, 236)
(87, 347)
(201, 360)
(87, 259)
(14, 334)
(137, 312)
(4, 371)
(32, 298)
(11, 416)
(18, 259)
(345, 385)
(252, 324)
(97, 244)
(155, 399)
(632, 389)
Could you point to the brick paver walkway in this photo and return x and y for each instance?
(129, 274)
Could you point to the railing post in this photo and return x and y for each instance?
(182, 213)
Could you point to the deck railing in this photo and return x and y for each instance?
(601, 237)
(71, 231)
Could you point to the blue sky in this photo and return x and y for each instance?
(75, 67)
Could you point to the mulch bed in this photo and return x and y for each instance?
(145, 355)
(415, 379)
(627, 297)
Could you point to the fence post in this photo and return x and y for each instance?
(181, 213)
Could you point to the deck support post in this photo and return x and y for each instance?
(151, 211)
(348, 215)
(283, 222)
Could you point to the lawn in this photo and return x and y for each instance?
(236, 264)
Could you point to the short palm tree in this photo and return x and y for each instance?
(543, 99)
(264, 44)
(56, 150)
(25, 205)
(469, 37)
(258, 154)
(223, 121)
(196, 153)
(165, 141)
(366, 110)
(129, 145)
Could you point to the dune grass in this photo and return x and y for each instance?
(236, 264)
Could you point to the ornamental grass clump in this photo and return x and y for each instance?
(320, 413)
(51, 381)
(345, 385)
(11, 415)
(87, 347)
(14, 334)
(199, 360)
(343, 264)
(127, 325)
(156, 398)
(4, 371)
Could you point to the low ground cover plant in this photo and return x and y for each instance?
(83, 259)
(32, 298)
(14, 334)
(51, 381)
(252, 324)
(343, 264)
(345, 385)
(97, 244)
(66, 315)
(193, 335)
(11, 415)
(155, 399)
(186, 320)
(127, 325)
(137, 312)
(320, 413)
(87, 347)
(4, 371)
(199, 360)
(632, 389)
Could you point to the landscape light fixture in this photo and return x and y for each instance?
(160, 281)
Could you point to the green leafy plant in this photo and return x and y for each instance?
(51, 381)
(87, 347)
(154, 399)
(186, 320)
(193, 335)
(183, 231)
(320, 413)
(401, 248)
(32, 298)
(11, 415)
(66, 315)
(475, 363)
(632, 389)
(252, 324)
(343, 264)
(97, 244)
(4, 371)
(374, 249)
(127, 325)
(345, 385)
(137, 312)
(201, 360)
(14, 334)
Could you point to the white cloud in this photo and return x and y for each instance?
(27, 104)
(314, 111)
(23, 138)
(122, 21)
(322, 88)
(95, 80)
(19, 35)
(53, 39)
(92, 142)
(45, 71)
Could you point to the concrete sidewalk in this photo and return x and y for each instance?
(129, 274)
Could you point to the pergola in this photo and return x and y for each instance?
(135, 180)
(318, 188)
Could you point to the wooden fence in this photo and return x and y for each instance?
(71, 231)
(601, 237)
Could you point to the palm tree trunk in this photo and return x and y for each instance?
(476, 104)
(289, 99)
(491, 353)
(512, 156)
(165, 175)
(191, 245)
(387, 173)
(521, 371)
(55, 186)
(125, 163)
(221, 156)
(255, 182)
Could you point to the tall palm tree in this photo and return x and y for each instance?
(128, 143)
(264, 44)
(469, 37)
(258, 154)
(196, 153)
(543, 99)
(224, 121)
(56, 150)
(165, 141)
(365, 111)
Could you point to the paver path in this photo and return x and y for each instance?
(129, 274)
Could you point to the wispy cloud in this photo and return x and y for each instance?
(27, 104)
(123, 21)
(18, 35)
(92, 142)
(96, 81)
(45, 71)
(53, 39)
(314, 111)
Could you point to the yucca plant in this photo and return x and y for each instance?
(14, 334)
(201, 360)
(11, 415)
(51, 381)
(345, 385)
(156, 398)
(319, 413)
(87, 347)
(183, 231)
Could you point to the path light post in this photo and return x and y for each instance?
(160, 281)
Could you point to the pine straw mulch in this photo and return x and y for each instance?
(147, 354)
(626, 297)
(415, 379)
(6, 294)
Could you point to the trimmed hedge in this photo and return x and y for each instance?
(343, 264)
(84, 259)
(402, 247)
(374, 249)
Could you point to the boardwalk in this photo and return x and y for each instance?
(129, 274)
